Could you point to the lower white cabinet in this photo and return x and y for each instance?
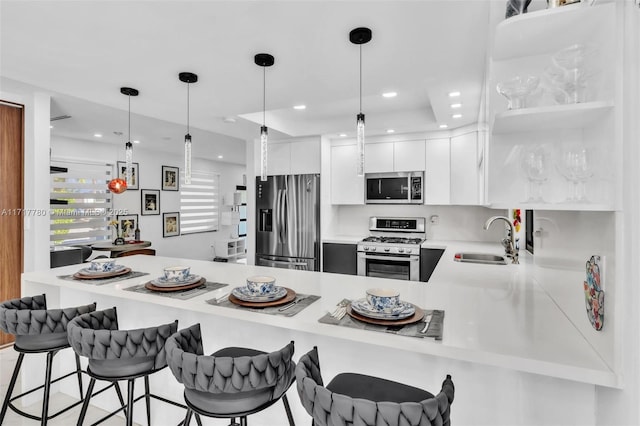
(346, 186)
(231, 248)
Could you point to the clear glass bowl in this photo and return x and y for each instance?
(517, 89)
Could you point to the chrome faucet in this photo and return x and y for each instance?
(509, 241)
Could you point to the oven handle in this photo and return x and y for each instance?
(410, 258)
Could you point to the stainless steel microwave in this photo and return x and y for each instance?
(394, 188)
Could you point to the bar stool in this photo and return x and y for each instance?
(38, 330)
(231, 383)
(116, 354)
(357, 399)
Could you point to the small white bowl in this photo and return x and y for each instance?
(102, 265)
(261, 285)
(383, 299)
(176, 274)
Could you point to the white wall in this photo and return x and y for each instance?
(193, 246)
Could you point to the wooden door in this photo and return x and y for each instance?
(11, 202)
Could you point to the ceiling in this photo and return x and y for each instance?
(84, 51)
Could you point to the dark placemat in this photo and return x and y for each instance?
(412, 330)
(180, 295)
(288, 310)
(101, 281)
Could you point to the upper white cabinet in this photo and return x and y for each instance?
(408, 156)
(346, 186)
(400, 156)
(378, 157)
(300, 156)
(466, 169)
(542, 155)
(437, 172)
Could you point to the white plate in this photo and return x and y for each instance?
(87, 271)
(244, 294)
(400, 311)
(162, 282)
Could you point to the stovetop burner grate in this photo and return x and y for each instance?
(392, 240)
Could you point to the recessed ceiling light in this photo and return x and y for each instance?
(390, 131)
(454, 94)
(229, 120)
(300, 107)
(51, 127)
(456, 116)
(97, 135)
(343, 135)
(220, 156)
(456, 105)
(443, 126)
(136, 141)
(389, 95)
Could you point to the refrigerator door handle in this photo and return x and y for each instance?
(280, 207)
(285, 215)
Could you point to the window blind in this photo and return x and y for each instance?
(80, 203)
(199, 203)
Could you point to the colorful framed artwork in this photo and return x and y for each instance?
(150, 203)
(170, 224)
(127, 225)
(170, 178)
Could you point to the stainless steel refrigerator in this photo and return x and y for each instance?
(288, 222)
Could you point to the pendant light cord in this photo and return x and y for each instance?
(129, 140)
(264, 94)
(360, 79)
(188, 103)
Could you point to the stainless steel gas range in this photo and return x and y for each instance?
(393, 248)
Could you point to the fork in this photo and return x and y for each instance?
(340, 311)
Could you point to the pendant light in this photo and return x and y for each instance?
(187, 77)
(118, 185)
(360, 36)
(263, 60)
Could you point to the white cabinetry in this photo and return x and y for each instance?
(300, 156)
(231, 249)
(401, 156)
(465, 169)
(346, 186)
(408, 156)
(378, 157)
(437, 172)
(525, 45)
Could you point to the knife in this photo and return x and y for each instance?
(427, 322)
(284, 308)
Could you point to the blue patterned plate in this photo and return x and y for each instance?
(87, 271)
(244, 294)
(400, 311)
(162, 282)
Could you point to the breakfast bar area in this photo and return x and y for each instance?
(503, 333)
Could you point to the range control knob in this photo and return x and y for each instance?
(400, 250)
(366, 248)
(373, 249)
(387, 249)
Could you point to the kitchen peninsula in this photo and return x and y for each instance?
(499, 330)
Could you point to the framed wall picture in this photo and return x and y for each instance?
(127, 225)
(135, 173)
(150, 203)
(170, 224)
(170, 178)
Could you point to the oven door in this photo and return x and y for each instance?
(397, 267)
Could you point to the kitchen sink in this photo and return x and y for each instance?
(484, 258)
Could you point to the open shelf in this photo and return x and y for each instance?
(547, 31)
(554, 206)
(568, 116)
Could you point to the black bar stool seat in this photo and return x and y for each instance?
(376, 389)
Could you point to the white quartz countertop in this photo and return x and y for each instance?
(344, 239)
(494, 315)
